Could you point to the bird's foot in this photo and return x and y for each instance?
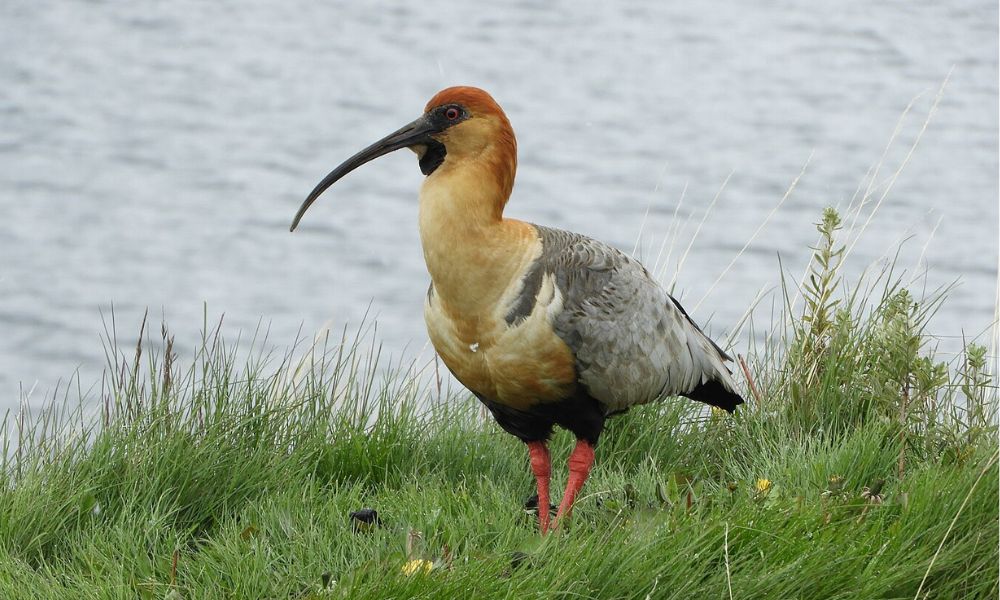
(541, 466)
(580, 461)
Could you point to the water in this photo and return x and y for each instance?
(152, 155)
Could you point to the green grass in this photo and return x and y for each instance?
(235, 478)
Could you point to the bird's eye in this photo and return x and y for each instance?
(451, 113)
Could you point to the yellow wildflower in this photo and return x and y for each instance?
(417, 566)
(763, 486)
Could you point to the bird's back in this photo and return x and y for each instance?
(631, 341)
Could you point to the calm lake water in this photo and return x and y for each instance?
(152, 155)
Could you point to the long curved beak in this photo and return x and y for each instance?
(414, 134)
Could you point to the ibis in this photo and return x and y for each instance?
(546, 327)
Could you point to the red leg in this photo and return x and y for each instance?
(541, 467)
(580, 462)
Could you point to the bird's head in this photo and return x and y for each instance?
(461, 126)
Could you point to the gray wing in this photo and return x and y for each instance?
(633, 343)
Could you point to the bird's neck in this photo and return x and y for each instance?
(473, 254)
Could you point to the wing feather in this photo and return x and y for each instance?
(633, 343)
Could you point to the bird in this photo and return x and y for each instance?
(545, 327)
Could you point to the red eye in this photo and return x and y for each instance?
(451, 114)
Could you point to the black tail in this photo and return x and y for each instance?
(714, 393)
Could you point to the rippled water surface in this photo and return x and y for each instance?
(152, 155)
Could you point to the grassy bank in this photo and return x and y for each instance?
(861, 467)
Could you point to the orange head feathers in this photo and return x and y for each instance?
(474, 99)
(485, 135)
(462, 128)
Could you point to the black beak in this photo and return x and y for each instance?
(414, 134)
